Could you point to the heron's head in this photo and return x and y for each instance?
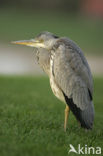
(44, 40)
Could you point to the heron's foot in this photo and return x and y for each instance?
(66, 117)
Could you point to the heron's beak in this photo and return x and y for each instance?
(30, 43)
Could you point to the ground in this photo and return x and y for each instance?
(31, 119)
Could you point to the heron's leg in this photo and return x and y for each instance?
(66, 117)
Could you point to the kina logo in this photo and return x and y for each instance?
(84, 150)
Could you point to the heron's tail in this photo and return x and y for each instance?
(88, 116)
(85, 117)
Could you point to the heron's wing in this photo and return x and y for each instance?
(72, 74)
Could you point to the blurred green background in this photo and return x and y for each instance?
(81, 21)
(24, 19)
(31, 118)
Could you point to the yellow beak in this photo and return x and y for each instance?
(31, 43)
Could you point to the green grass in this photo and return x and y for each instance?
(31, 119)
(19, 24)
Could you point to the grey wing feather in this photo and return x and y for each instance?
(72, 73)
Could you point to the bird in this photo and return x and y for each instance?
(69, 73)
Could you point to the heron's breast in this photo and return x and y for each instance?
(56, 90)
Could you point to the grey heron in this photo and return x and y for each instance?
(69, 73)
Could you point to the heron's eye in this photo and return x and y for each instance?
(41, 40)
